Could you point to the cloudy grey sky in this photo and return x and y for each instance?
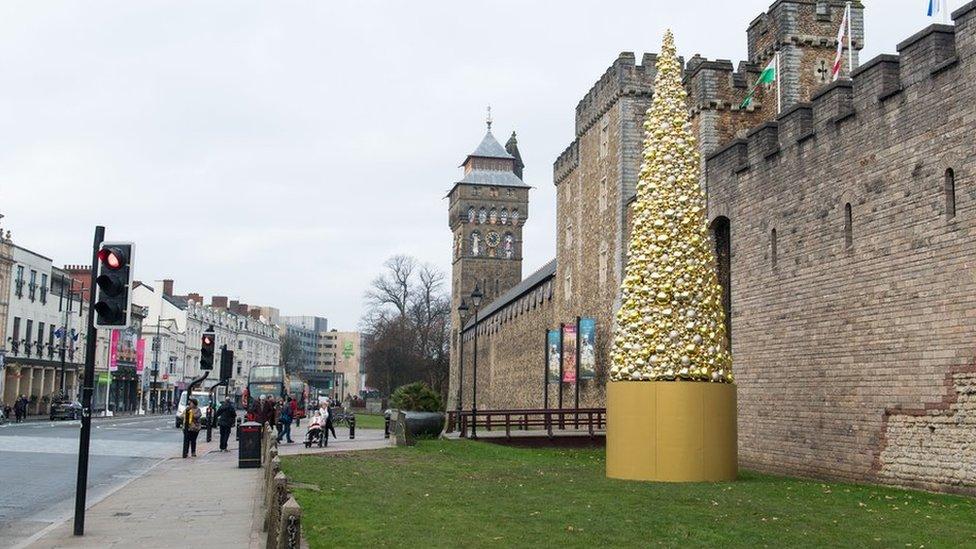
(278, 152)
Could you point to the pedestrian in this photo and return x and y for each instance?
(284, 428)
(226, 417)
(327, 414)
(294, 408)
(191, 427)
(20, 408)
(267, 410)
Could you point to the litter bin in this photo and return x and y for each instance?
(249, 449)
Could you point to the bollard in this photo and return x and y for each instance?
(237, 431)
(386, 427)
(352, 427)
(290, 533)
(209, 424)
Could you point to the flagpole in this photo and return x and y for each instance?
(779, 91)
(850, 43)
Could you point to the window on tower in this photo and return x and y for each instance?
(471, 214)
(482, 215)
(493, 216)
(503, 216)
(515, 216)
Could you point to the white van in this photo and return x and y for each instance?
(203, 399)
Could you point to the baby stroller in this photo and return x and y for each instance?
(315, 433)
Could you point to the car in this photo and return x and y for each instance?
(203, 399)
(65, 409)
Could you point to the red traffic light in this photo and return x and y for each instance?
(207, 340)
(113, 258)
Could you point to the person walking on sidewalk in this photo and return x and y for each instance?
(191, 427)
(284, 428)
(226, 417)
(20, 408)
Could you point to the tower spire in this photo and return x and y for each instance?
(488, 119)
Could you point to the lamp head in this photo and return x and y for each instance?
(476, 296)
(463, 307)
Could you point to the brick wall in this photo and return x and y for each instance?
(851, 328)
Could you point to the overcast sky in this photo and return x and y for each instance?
(278, 152)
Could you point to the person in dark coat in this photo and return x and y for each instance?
(268, 410)
(20, 408)
(226, 417)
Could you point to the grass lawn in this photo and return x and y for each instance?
(474, 494)
(369, 421)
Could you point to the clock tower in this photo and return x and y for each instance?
(488, 208)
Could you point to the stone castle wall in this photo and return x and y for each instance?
(852, 348)
(843, 341)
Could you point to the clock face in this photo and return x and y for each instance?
(492, 239)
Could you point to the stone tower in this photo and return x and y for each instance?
(488, 208)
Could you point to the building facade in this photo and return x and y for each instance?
(177, 323)
(340, 358)
(841, 231)
(44, 317)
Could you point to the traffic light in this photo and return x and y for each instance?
(207, 349)
(113, 299)
(226, 363)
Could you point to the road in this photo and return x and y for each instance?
(39, 464)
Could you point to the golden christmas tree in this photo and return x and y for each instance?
(670, 324)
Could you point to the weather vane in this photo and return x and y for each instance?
(489, 118)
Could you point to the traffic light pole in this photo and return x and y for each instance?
(91, 339)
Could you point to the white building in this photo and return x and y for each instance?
(181, 322)
(43, 315)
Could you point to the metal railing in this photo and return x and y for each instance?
(590, 419)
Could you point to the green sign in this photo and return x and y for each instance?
(347, 350)
(103, 378)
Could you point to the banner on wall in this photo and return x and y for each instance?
(140, 355)
(123, 349)
(552, 341)
(587, 351)
(569, 353)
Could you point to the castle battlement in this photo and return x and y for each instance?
(623, 77)
(567, 161)
(889, 82)
(717, 84)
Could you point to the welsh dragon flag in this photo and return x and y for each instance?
(768, 76)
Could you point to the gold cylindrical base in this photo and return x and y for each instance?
(671, 431)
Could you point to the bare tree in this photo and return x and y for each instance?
(406, 326)
(393, 286)
(291, 353)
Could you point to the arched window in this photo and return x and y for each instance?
(471, 214)
(772, 247)
(482, 215)
(508, 246)
(722, 233)
(493, 216)
(848, 226)
(476, 243)
(950, 193)
(503, 216)
(515, 216)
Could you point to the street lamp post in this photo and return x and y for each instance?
(476, 296)
(462, 311)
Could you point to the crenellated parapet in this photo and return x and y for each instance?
(623, 77)
(895, 83)
(566, 162)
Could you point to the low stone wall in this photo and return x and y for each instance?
(283, 515)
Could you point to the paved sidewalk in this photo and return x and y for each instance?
(205, 501)
(366, 439)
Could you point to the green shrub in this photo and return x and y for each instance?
(416, 397)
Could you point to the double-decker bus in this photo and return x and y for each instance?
(264, 380)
